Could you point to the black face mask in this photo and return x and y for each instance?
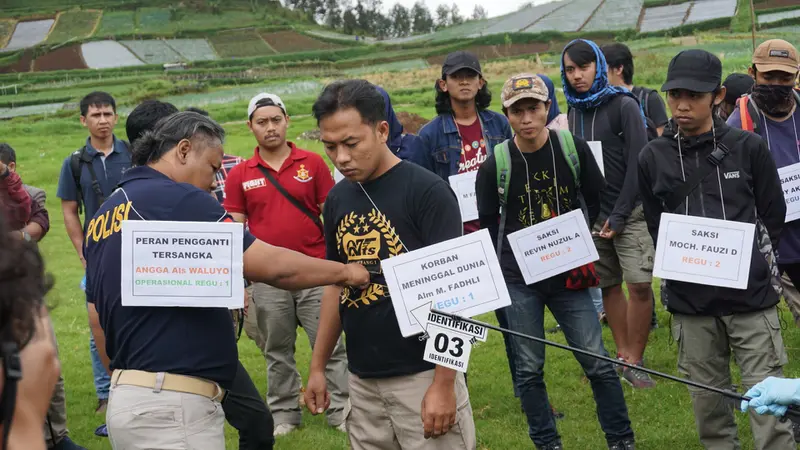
(774, 100)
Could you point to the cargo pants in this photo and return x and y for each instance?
(705, 344)
(277, 313)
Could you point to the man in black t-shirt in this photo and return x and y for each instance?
(620, 73)
(384, 207)
(543, 186)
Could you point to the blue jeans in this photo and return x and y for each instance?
(574, 311)
(597, 299)
(101, 379)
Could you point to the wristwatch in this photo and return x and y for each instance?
(25, 235)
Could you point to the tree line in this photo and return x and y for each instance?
(365, 17)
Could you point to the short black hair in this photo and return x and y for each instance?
(581, 53)
(360, 95)
(7, 154)
(443, 106)
(202, 112)
(171, 130)
(97, 99)
(619, 55)
(144, 117)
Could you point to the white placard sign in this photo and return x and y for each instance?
(704, 251)
(193, 264)
(460, 276)
(448, 348)
(463, 185)
(553, 246)
(597, 151)
(790, 182)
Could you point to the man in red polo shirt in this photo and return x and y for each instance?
(280, 192)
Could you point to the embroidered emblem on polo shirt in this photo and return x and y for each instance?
(303, 175)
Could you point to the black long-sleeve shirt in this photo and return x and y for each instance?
(620, 126)
(747, 185)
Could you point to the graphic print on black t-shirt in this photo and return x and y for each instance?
(366, 239)
(543, 196)
(405, 209)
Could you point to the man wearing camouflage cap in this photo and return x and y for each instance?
(548, 173)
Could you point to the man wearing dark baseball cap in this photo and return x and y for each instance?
(771, 112)
(736, 85)
(730, 175)
(465, 132)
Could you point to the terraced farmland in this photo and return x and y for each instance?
(663, 17)
(157, 20)
(569, 18)
(774, 17)
(292, 41)
(116, 22)
(67, 57)
(192, 49)
(397, 66)
(6, 28)
(240, 44)
(704, 10)
(153, 51)
(28, 34)
(615, 15)
(106, 54)
(525, 18)
(73, 25)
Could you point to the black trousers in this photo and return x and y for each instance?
(792, 271)
(246, 411)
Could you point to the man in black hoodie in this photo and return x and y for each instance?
(712, 322)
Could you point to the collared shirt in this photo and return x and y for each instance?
(198, 342)
(228, 163)
(270, 216)
(109, 170)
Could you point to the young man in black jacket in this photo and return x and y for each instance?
(712, 322)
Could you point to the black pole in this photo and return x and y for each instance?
(792, 413)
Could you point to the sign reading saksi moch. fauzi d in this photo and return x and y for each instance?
(192, 264)
(460, 276)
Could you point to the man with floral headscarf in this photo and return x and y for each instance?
(609, 117)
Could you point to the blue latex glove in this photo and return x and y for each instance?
(773, 396)
(83, 284)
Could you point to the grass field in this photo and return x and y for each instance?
(662, 418)
(73, 25)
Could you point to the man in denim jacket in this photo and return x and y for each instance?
(465, 132)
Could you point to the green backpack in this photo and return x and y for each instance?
(503, 160)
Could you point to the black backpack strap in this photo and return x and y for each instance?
(296, 203)
(98, 192)
(75, 168)
(12, 373)
(706, 167)
(644, 96)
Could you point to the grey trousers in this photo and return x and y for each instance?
(55, 427)
(705, 345)
(278, 313)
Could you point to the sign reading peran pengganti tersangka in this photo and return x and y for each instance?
(192, 264)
